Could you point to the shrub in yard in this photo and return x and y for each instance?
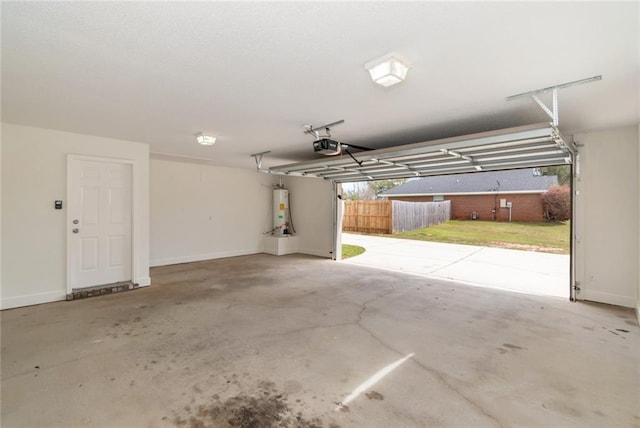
(556, 203)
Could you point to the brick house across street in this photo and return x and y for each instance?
(514, 195)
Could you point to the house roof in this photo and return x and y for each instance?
(515, 180)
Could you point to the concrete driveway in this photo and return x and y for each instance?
(514, 270)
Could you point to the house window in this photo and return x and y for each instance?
(438, 198)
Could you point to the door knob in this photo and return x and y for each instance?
(76, 230)
(76, 221)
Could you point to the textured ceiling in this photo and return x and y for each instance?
(254, 73)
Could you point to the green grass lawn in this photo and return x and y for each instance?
(351, 251)
(544, 237)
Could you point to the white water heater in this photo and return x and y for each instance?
(280, 211)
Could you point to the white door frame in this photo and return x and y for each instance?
(574, 286)
(134, 222)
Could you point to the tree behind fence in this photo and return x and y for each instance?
(393, 216)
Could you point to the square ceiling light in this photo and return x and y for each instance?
(387, 70)
(204, 139)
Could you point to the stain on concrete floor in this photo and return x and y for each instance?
(265, 408)
(374, 395)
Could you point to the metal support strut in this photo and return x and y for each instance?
(258, 158)
(553, 111)
(553, 114)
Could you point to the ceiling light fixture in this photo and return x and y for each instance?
(204, 139)
(387, 70)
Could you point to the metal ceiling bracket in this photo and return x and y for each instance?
(258, 158)
(553, 111)
(314, 130)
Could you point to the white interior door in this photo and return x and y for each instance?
(99, 229)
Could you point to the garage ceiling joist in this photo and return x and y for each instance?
(526, 146)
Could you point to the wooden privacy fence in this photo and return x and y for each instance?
(418, 215)
(367, 217)
(393, 216)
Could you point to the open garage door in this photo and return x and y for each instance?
(521, 147)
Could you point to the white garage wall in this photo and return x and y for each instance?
(638, 300)
(312, 214)
(1, 240)
(201, 212)
(34, 174)
(607, 218)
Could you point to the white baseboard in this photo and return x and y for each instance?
(143, 281)
(200, 257)
(32, 299)
(610, 298)
(315, 252)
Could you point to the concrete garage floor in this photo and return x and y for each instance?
(262, 341)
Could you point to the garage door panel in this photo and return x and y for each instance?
(521, 147)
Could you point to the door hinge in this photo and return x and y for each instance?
(576, 286)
